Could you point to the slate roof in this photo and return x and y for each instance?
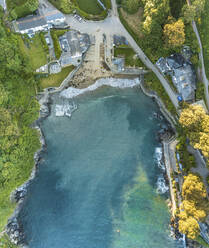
(53, 15)
(42, 17)
(175, 61)
(119, 40)
(182, 73)
(31, 21)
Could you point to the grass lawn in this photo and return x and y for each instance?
(21, 8)
(35, 50)
(54, 80)
(129, 55)
(90, 6)
(203, 28)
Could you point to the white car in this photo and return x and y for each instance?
(78, 17)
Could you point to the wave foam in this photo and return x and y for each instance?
(158, 156)
(65, 109)
(162, 188)
(113, 82)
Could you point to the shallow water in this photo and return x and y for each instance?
(96, 187)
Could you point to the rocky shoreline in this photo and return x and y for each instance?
(167, 136)
(14, 229)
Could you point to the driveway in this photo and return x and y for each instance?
(110, 26)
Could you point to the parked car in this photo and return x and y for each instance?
(78, 17)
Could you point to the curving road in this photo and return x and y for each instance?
(204, 78)
(110, 26)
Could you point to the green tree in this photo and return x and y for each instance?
(174, 34)
(131, 6)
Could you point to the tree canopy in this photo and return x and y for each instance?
(18, 109)
(195, 122)
(194, 206)
(174, 33)
(20, 8)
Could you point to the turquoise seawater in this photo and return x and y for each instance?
(96, 185)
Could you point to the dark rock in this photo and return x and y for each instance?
(14, 231)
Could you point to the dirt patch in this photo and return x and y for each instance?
(134, 20)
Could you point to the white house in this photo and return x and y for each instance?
(31, 24)
(43, 20)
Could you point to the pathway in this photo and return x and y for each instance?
(201, 168)
(204, 78)
(110, 26)
(169, 166)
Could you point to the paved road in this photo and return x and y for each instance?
(204, 78)
(201, 168)
(110, 26)
(143, 57)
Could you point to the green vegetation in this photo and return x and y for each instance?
(129, 55)
(89, 9)
(131, 6)
(152, 40)
(176, 7)
(55, 34)
(20, 8)
(200, 91)
(186, 159)
(90, 6)
(35, 49)
(201, 241)
(5, 242)
(44, 43)
(203, 28)
(66, 6)
(54, 80)
(152, 83)
(18, 109)
(194, 207)
(151, 45)
(195, 123)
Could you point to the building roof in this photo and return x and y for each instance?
(119, 63)
(182, 73)
(175, 61)
(31, 21)
(119, 40)
(43, 15)
(53, 15)
(49, 13)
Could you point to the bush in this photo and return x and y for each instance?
(55, 38)
(21, 8)
(19, 109)
(107, 4)
(186, 159)
(43, 40)
(152, 83)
